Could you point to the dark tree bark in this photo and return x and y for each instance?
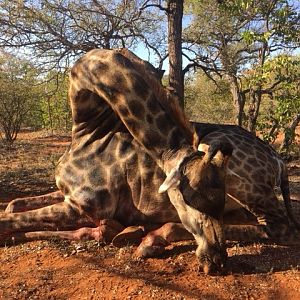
(289, 135)
(253, 111)
(176, 77)
(238, 97)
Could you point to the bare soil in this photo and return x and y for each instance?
(69, 270)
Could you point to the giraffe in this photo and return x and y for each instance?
(253, 171)
(155, 242)
(121, 116)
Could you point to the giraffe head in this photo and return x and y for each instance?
(196, 187)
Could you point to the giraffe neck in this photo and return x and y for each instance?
(107, 76)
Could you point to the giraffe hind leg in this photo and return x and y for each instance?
(271, 213)
(272, 221)
(245, 233)
(31, 203)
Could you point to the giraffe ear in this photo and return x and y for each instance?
(172, 180)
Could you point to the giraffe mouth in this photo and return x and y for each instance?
(207, 231)
(215, 266)
(211, 251)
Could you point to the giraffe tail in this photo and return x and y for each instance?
(285, 190)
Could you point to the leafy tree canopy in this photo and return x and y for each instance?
(18, 91)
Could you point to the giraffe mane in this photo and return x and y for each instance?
(164, 96)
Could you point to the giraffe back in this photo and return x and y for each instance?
(254, 171)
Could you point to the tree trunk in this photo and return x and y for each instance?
(176, 79)
(289, 134)
(238, 99)
(256, 94)
(50, 115)
(271, 134)
(255, 101)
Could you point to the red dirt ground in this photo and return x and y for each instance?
(68, 270)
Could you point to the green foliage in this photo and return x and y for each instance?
(17, 94)
(285, 104)
(29, 100)
(54, 106)
(208, 101)
(231, 37)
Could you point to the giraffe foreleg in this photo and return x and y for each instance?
(103, 233)
(31, 203)
(58, 216)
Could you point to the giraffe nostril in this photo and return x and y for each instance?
(206, 269)
(217, 261)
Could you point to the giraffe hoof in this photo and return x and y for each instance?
(10, 208)
(129, 236)
(212, 270)
(151, 246)
(145, 251)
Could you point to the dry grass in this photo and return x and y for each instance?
(27, 167)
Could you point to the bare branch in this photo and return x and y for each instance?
(159, 6)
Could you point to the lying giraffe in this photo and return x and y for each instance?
(254, 170)
(133, 158)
